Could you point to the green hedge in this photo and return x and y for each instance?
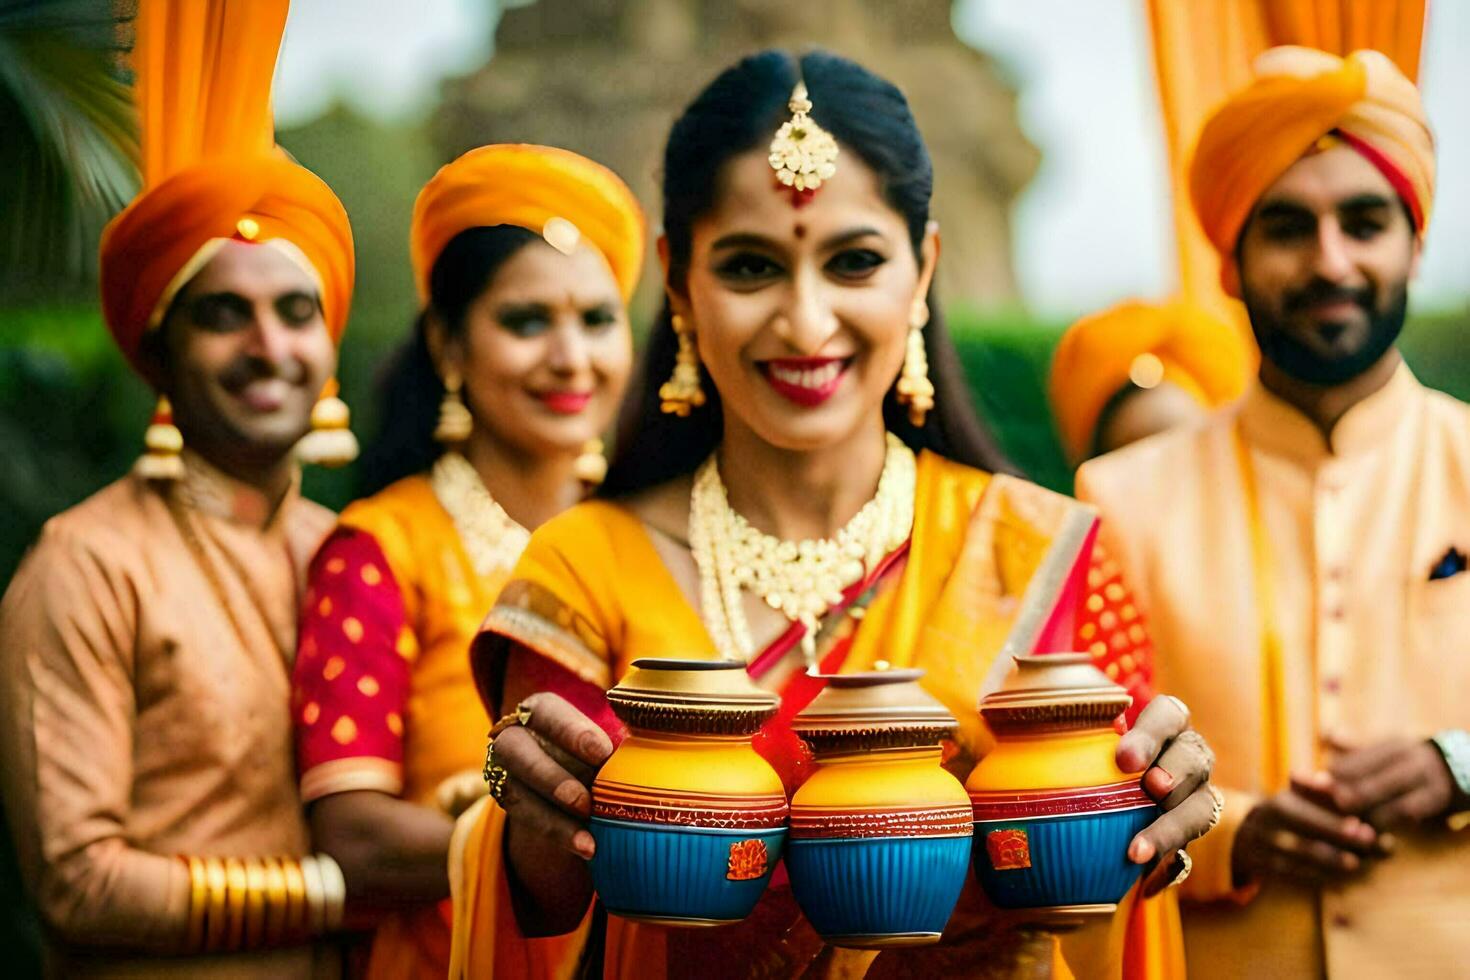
(72, 416)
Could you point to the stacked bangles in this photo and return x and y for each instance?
(250, 903)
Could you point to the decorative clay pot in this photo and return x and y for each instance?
(880, 833)
(689, 821)
(1053, 812)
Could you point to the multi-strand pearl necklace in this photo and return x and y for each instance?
(799, 579)
(490, 536)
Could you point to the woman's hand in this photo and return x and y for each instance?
(1179, 762)
(550, 762)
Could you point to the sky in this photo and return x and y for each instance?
(1091, 229)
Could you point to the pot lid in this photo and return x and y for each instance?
(887, 706)
(1054, 689)
(695, 697)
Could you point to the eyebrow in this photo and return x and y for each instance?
(514, 309)
(1283, 209)
(230, 296)
(1358, 202)
(746, 239)
(1364, 202)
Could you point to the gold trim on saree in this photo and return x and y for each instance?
(536, 618)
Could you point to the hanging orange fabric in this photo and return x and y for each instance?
(1203, 51)
(203, 89)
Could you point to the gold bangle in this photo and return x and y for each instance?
(198, 902)
(215, 925)
(235, 899)
(275, 902)
(254, 903)
(335, 885)
(295, 900)
(316, 896)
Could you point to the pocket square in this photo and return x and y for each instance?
(1451, 564)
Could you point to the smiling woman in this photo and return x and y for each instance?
(524, 258)
(802, 487)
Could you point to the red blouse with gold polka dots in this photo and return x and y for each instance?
(382, 691)
(351, 683)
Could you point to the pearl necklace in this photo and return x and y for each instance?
(490, 536)
(799, 579)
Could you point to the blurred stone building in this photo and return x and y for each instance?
(607, 77)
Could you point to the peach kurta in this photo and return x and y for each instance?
(1371, 647)
(144, 715)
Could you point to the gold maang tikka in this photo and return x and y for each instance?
(803, 154)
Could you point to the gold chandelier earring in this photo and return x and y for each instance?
(330, 441)
(162, 444)
(455, 421)
(591, 465)
(914, 387)
(682, 393)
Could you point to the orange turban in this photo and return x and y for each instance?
(212, 171)
(164, 234)
(1298, 96)
(1142, 343)
(546, 190)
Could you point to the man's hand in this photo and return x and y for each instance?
(1297, 835)
(1399, 782)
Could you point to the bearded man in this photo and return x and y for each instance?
(1301, 555)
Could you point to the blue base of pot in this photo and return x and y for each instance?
(676, 875)
(878, 891)
(1075, 860)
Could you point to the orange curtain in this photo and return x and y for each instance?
(1203, 50)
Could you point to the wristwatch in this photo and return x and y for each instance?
(1454, 745)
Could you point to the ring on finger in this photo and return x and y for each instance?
(496, 776)
(1217, 805)
(1197, 742)
(521, 716)
(1186, 865)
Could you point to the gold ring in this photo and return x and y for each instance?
(1217, 806)
(496, 777)
(521, 716)
(1186, 866)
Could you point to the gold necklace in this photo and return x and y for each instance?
(491, 537)
(799, 579)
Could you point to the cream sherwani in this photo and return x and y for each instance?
(1371, 647)
(144, 714)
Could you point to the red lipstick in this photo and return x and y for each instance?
(565, 402)
(806, 381)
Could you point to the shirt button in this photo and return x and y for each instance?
(1341, 921)
(1335, 612)
(1332, 686)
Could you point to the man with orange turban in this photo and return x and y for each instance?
(145, 642)
(1140, 368)
(1302, 554)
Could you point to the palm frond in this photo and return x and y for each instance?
(69, 155)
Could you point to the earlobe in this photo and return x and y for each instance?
(929, 252)
(444, 350)
(678, 303)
